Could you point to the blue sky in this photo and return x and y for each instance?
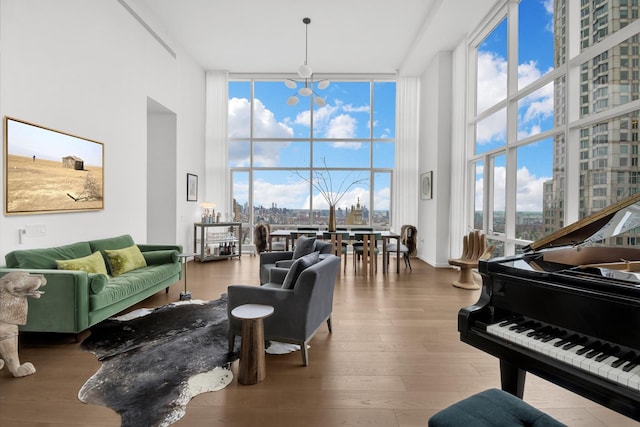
(535, 111)
(346, 117)
(28, 140)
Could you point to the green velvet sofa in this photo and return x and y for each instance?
(75, 300)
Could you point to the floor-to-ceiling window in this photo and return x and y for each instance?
(555, 117)
(285, 159)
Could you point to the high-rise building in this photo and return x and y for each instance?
(608, 164)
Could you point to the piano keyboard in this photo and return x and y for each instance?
(597, 357)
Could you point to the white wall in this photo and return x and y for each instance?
(87, 68)
(161, 173)
(435, 155)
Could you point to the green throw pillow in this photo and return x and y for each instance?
(123, 260)
(93, 263)
(97, 282)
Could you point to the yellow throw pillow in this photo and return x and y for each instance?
(126, 259)
(93, 263)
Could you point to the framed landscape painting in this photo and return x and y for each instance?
(47, 170)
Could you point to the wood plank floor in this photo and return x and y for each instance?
(394, 359)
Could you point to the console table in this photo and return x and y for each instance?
(217, 240)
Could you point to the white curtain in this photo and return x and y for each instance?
(458, 205)
(217, 183)
(406, 176)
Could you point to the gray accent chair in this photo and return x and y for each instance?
(282, 261)
(298, 312)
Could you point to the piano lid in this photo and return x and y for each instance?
(611, 221)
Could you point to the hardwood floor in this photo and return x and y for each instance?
(394, 359)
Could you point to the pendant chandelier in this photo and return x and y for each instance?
(306, 77)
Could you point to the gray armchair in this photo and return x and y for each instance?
(281, 261)
(298, 312)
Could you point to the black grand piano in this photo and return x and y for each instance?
(567, 310)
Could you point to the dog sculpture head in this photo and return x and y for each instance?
(15, 287)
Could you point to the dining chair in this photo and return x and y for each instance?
(339, 241)
(261, 238)
(408, 239)
(365, 247)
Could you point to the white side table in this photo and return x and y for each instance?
(252, 368)
(184, 260)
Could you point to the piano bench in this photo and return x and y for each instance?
(492, 407)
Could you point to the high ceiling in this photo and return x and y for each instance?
(345, 36)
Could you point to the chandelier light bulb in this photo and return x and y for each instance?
(290, 84)
(323, 84)
(305, 71)
(292, 100)
(320, 102)
(305, 91)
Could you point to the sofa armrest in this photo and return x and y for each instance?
(160, 257)
(64, 306)
(150, 248)
(251, 294)
(285, 263)
(272, 257)
(277, 274)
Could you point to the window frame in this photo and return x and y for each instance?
(370, 171)
(571, 71)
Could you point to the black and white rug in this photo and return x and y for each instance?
(154, 364)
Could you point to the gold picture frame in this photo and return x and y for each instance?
(48, 171)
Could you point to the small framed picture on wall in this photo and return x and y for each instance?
(192, 187)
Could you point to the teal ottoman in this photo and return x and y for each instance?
(492, 408)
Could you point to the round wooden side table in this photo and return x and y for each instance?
(252, 368)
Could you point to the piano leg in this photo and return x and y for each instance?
(512, 378)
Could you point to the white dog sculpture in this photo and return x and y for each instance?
(15, 287)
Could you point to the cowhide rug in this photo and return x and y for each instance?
(153, 365)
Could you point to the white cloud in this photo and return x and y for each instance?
(265, 123)
(533, 109)
(492, 79)
(342, 126)
(291, 194)
(265, 126)
(525, 133)
(529, 195)
(321, 116)
(527, 73)
(540, 109)
(239, 117)
(548, 6)
(351, 109)
(492, 128)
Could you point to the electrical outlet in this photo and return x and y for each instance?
(36, 230)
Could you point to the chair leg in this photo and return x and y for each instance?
(407, 261)
(232, 341)
(305, 356)
(329, 325)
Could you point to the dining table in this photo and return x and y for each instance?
(289, 235)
